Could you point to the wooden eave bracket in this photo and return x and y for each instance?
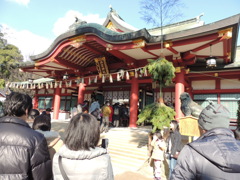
(225, 33)
(168, 46)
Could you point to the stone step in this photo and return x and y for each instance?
(127, 148)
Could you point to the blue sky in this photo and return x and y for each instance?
(32, 25)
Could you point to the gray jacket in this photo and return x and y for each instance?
(215, 155)
(88, 165)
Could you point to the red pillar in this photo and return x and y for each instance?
(81, 91)
(179, 89)
(57, 100)
(35, 100)
(134, 103)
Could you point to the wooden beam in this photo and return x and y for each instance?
(131, 62)
(172, 50)
(94, 50)
(206, 45)
(67, 64)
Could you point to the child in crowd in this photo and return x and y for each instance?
(42, 124)
(159, 146)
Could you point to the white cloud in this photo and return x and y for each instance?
(28, 43)
(33, 44)
(21, 2)
(63, 23)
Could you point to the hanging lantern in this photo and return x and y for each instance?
(51, 85)
(60, 84)
(70, 83)
(211, 61)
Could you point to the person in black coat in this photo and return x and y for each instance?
(116, 114)
(124, 115)
(215, 154)
(48, 114)
(24, 152)
(174, 145)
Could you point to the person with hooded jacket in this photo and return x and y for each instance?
(24, 153)
(214, 155)
(80, 157)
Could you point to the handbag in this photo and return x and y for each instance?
(64, 175)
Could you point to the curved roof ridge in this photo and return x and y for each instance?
(118, 22)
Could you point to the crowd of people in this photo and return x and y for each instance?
(37, 152)
(116, 115)
(214, 155)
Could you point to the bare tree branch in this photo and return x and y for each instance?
(151, 11)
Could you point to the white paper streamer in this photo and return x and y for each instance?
(103, 79)
(89, 81)
(127, 75)
(110, 79)
(95, 80)
(136, 73)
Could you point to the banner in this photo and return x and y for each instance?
(101, 66)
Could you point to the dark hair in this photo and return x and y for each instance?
(33, 113)
(82, 132)
(17, 103)
(42, 122)
(48, 109)
(158, 134)
(237, 133)
(176, 126)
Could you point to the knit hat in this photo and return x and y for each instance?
(214, 116)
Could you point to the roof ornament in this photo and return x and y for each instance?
(114, 12)
(111, 9)
(78, 22)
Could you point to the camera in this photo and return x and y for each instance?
(104, 143)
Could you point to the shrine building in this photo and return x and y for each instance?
(109, 60)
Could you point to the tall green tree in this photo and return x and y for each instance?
(10, 57)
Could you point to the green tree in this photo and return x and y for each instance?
(10, 57)
(160, 115)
